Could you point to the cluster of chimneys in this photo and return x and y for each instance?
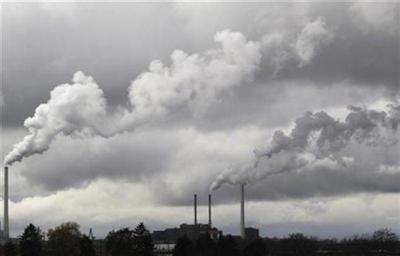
(242, 223)
(209, 210)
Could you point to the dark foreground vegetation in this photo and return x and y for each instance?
(381, 242)
(67, 240)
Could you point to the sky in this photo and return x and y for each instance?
(146, 104)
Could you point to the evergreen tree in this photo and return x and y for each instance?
(256, 248)
(227, 246)
(31, 241)
(86, 246)
(300, 244)
(142, 241)
(120, 242)
(183, 247)
(205, 246)
(64, 240)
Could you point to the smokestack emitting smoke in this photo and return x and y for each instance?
(209, 210)
(6, 221)
(242, 223)
(195, 209)
(316, 137)
(192, 82)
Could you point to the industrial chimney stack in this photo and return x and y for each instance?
(6, 223)
(195, 209)
(209, 210)
(242, 225)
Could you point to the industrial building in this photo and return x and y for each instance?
(192, 231)
(251, 233)
(195, 230)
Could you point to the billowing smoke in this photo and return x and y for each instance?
(312, 37)
(192, 82)
(76, 108)
(314, 138)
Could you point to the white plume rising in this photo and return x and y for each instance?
(193, 82)
(316, 137)
(72, 109)
(314, 35)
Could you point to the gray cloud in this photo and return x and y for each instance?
(170, 160)
(80, 162)
(359, 53)
(365, 55)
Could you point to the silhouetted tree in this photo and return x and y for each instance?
(205, 246)
(120, 242)
(86, 246)
(10, 249)
(273, 245)
(227, 246)
(31, 241)
(384, 235)
(183, 247)
(255, 248)
(380, 242)
(384, 241)
(64, 240)
(142, 241)
(300, 244)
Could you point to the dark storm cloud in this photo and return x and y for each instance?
(42, 54)
(351, 59)
(317, 183)
(45, 47)
(75, 164)
(368, 169)
(362, 53)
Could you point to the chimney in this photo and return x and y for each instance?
(209, 210)
(195, 209)
(242, 225)
(5, 198)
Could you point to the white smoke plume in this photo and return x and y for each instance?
(312, 37)
(193, 82)
(316, 137)
(72, 109)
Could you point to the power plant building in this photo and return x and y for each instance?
(192, 231)
(251, 233)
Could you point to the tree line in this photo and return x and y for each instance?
(67, 240)
(381, 242)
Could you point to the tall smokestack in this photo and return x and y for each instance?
(6, 224)
(242, 231)
(209, 210)
(195, 209)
